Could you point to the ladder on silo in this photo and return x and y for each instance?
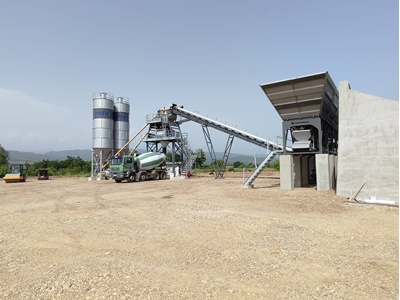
(249, 182)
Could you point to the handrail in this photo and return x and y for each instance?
(125, 100)
(108, 96)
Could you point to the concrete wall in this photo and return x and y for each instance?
(324, 180)
(368, 148)
(286, 172)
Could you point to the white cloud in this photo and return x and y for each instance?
(11, 134)
(27, 123)
(35, 137)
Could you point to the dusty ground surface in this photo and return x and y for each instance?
(197, 238)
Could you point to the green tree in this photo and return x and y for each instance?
(169, 157)
(69, 166)
(237, 164)
(3, 171)
(275, 165)
(219, 162)
(201, 158)
(4, 156)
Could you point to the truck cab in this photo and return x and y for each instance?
(122, 167)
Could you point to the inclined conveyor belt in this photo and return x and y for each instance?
(174, 109)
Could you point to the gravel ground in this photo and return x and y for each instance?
(197, 238)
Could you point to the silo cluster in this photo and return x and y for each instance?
(110, 124)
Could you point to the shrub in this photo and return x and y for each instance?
(237, 164)
(3, 171)
(275, 165)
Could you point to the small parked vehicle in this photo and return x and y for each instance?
(43, 174)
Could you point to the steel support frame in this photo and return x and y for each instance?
(176, 144)
(156, 146)
(227, 151)
(210, 146)
(96, 163)
(218, 170)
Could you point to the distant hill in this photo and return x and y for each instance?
(19, 156)
(86, 155)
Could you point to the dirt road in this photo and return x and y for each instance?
(197, 238)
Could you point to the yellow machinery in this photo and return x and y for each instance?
(18, 174)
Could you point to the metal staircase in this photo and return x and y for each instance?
(187, 166)
(249, 181)
(189, 157)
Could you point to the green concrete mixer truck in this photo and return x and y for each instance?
(150, 165)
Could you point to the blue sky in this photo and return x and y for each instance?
(210, 56)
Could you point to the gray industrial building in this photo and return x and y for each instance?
(341, 139)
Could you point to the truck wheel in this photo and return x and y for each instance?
(163, 175)
(143, 176)
(156, 176)
(131, 177)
